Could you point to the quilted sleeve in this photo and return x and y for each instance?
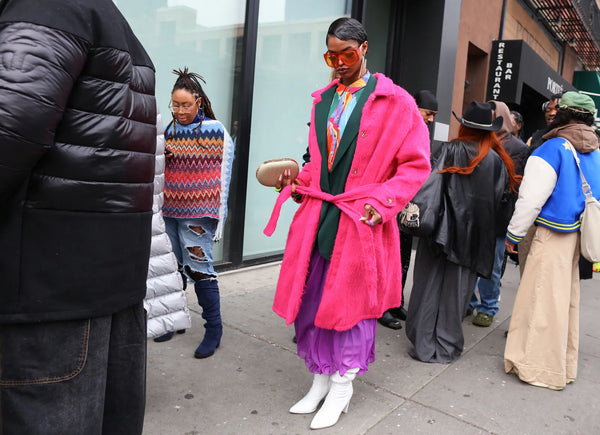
(38, 67)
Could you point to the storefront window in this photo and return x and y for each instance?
(207, 37)
(377, 23)
(289, 67)
(200, 34)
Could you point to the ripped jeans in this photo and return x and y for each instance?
(192, 241)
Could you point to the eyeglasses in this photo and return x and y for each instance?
(185, 108)
(348, 57)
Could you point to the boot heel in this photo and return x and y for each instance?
(345, 410)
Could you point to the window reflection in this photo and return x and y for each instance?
(200, 34)
(289, 67)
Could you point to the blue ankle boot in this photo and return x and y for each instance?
(207, 291)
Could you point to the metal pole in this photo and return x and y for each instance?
(243, 113)
(501, 32)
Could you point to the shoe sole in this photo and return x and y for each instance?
(205, 355)
(391, 325)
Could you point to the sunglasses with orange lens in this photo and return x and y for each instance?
(348, 57)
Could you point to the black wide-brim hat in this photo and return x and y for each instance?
(479, 116)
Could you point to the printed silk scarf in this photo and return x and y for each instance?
(334, 126)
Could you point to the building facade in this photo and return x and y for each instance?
(262, 59)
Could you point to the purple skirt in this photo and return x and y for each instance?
(326, 351)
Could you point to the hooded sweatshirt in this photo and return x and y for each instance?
(501, 109)
(551, 193)
(515, 147)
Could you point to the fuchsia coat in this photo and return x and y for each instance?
(390, 164)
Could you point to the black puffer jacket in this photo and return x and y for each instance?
(77, 141)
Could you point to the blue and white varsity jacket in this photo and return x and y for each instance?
(550, 194)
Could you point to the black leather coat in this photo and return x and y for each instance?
(467, 233)
(77, 141)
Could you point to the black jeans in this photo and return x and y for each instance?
(74, 376)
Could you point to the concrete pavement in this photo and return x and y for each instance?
(249, 384)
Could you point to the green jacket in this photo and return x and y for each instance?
(334, 182)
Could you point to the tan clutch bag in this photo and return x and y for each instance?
(268, 172)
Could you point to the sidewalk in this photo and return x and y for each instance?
(249, 384)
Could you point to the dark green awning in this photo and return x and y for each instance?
(588, 82)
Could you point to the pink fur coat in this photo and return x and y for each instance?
(390, 164)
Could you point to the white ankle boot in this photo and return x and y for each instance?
(337, 400)
(318, 390)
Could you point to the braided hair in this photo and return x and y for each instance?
(190, 82)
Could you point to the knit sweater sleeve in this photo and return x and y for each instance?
(226, 166)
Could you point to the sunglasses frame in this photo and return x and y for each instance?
(340, 56)
(183, 109)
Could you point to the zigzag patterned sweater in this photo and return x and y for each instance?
(197, 176)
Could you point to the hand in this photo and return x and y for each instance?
(509, 246)
(168, 153)
(371, 216)
(296, 196)
(285, 179)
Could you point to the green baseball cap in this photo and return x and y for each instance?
(577, 102)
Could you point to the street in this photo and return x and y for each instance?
(254, 377)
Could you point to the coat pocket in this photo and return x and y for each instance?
(42, 353)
